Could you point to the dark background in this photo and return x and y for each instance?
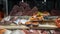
(50, 4)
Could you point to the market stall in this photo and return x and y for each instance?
(26, 20)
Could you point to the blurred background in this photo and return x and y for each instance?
(7, 5)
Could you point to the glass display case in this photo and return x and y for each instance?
(30, 17)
